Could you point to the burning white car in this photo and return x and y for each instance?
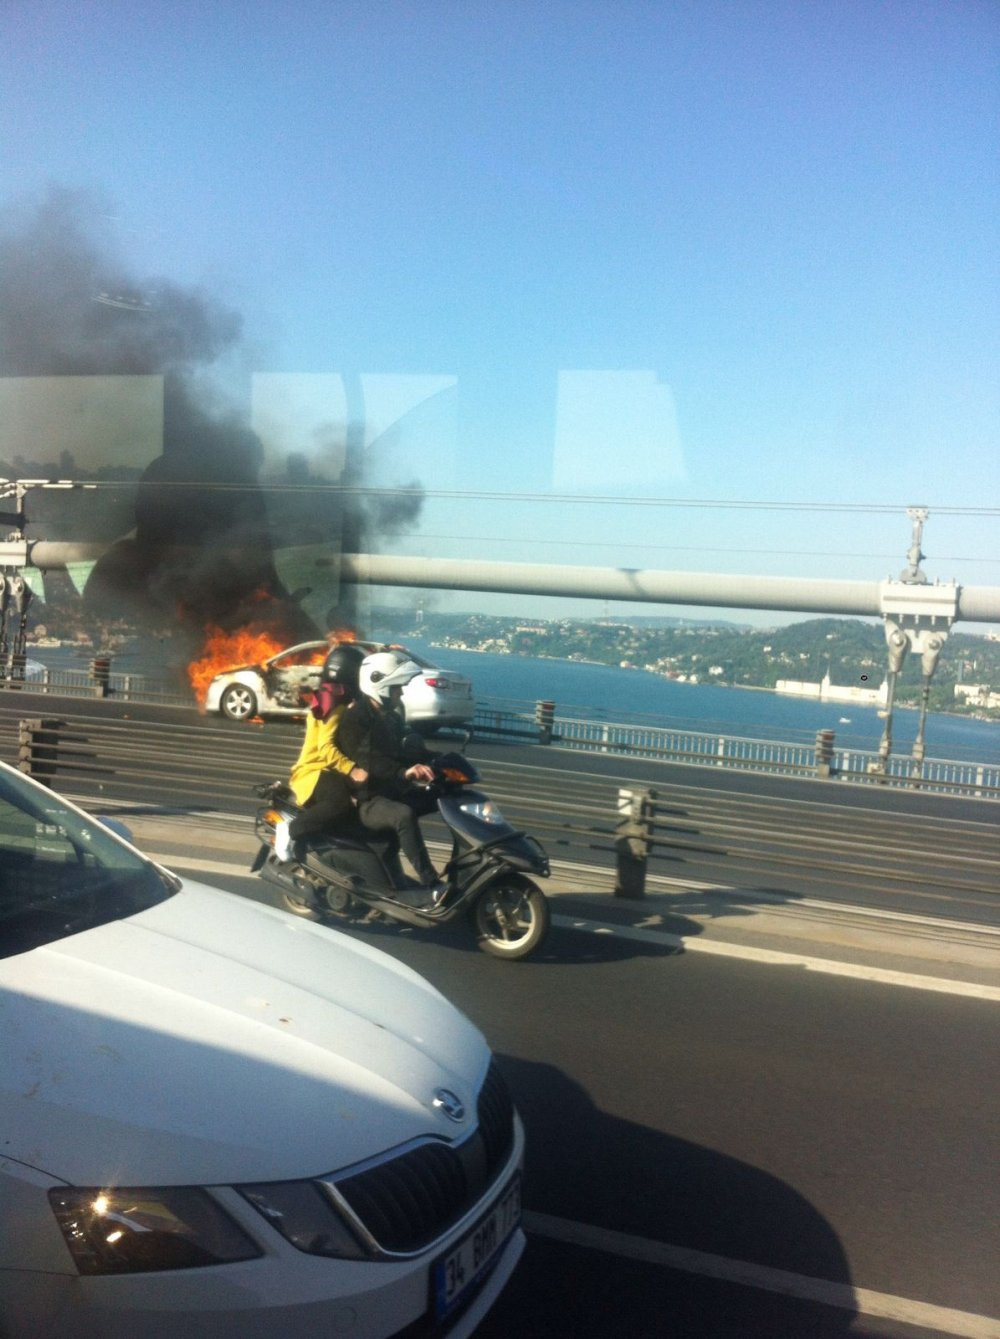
(277, 687)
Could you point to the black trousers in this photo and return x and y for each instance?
(326, 808)
(399, 817)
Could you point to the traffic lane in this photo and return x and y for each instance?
(635, 1128)
(693, 1101)
(758, 1113)
(484, 750)
(560, 1291)
(564, 1291)
(748, 783)
(841, 854)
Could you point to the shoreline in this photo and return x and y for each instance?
(712, 683)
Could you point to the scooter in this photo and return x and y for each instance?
(353, 875)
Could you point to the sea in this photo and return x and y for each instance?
(606, 692)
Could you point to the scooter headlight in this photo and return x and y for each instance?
(485, 810)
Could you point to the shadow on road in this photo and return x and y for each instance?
(564, 946)
(587, 1166)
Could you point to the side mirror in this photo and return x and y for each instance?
(116, 826)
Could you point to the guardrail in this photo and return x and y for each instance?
(98, 680)
(709, 748)
(114, 765)
(542, 723)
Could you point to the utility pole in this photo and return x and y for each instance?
(15, 593)
(918, 616)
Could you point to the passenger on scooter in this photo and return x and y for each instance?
(321, 776)
(372, 731)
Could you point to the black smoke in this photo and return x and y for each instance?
(69, 308)
(201, 552)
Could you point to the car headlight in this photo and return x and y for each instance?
(127, 1230)
(304, 1215)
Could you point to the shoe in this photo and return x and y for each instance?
(438, 890)
(282, 843)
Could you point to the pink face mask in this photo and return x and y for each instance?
(326, 697)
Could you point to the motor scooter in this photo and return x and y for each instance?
(355, 875)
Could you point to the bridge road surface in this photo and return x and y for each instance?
(778, 838)
(728, 1136)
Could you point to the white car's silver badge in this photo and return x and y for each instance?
(446, 1101)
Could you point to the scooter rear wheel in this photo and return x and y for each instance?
(511, 918)
(302, 902)
(315, 900)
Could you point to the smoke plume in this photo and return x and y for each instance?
(201, 552)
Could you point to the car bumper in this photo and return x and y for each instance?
(284, 1294)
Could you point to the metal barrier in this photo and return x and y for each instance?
(98, 680)
(821, 759)
(541, 723)
(133, 763)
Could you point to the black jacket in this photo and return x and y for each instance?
(373, 738)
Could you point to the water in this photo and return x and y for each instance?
(608, 693)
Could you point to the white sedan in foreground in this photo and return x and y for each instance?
(219, 1120)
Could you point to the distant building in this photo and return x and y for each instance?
(825, 691)
(977, 694)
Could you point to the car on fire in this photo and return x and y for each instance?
(221, 1120)
(277, 687)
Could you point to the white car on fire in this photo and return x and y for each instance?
(276, 687)
(220, 1120)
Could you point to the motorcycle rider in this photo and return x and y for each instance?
(321, 776)
(372, 730)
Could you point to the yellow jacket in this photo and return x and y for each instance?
(318, 754)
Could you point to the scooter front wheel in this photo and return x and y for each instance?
(511, 917)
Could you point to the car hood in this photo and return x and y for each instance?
(213, 1040)
(239, 669)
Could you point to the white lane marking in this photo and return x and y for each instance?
(765, 900)
(175, 860)
(863, 1301)
(882, 975)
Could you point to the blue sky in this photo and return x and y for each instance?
(719, 251)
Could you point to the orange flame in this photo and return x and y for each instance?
(230, 650)
(249, 646)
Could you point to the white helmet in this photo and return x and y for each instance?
(384, 670)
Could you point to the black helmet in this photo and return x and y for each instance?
(341, 665)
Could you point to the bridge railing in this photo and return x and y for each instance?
(98, 680)
(712, 748)
(542, 722)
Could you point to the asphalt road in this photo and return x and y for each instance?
(720, 1143)
(761, 1101)
(786, 837)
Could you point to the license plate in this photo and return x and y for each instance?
(455, 1275)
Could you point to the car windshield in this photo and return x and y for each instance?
(300, 657)
(62, 872)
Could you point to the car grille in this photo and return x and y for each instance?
(410, 1200)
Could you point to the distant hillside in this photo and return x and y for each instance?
(852, 651)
